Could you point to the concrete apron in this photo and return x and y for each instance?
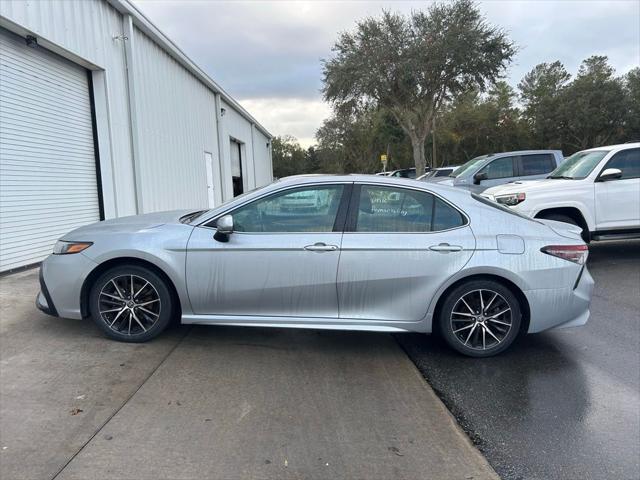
(216, 402)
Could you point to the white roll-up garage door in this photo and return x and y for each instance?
(48, 182)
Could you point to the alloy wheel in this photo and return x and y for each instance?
(129, 304)
(481, 319)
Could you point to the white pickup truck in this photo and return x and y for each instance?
(597, 190)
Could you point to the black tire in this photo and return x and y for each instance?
(455, 327)
(558, 217)
(146, 321)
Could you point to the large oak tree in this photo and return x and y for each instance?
(410, 65)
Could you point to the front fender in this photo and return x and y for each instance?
(581, 207)
(165, 248)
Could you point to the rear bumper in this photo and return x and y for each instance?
(561, 307)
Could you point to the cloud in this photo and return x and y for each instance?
(299, 117)
(268, 54)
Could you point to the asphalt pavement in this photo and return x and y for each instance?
(215, 402)
(564, 404)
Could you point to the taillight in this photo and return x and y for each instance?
(574, 253)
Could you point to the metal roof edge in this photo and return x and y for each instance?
(146, 26)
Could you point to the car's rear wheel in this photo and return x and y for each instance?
(131, 303)
(480, 318)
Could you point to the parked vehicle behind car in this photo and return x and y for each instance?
(403, 173)
(487, 171)
(376, 253)
(596, 189)
(439, 172)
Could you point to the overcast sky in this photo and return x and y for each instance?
(267, 54)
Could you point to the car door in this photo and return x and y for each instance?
(499, 171)
(535, 166)
(399, 246)
(280, 260)
(618, 200)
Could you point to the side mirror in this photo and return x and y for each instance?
(478, 177)
(224, 228)
(610, 174)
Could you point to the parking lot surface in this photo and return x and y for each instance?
(557, 405)
(205, 402)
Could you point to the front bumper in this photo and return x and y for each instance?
(561, 307)
(43, 300)
(61, 280)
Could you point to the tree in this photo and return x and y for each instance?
(632, 102)
(288, 156)
(540, 93)
(410, 65)
(593, 105)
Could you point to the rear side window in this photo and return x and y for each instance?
(391, 209)
(628, 161)
(537, 164)
(499, 168)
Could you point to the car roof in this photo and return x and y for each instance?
(620, 146)
(364, 178)
(522, 152)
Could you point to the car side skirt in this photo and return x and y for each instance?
(311, 323)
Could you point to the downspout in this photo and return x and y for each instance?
(221, 160)
(128, 30)
(253, 154)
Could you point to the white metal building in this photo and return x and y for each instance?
(102, 116)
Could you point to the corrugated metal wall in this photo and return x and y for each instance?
(86, 28)
(176, 114)
(175, 111)
(262, 158)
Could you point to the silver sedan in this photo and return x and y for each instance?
(328, 252)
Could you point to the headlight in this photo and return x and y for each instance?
(511, 199)
(64, 248)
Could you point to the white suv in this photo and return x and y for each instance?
(596, 189)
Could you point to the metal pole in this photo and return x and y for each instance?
(433, 134)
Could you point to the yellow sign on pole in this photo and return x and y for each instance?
(383, 159)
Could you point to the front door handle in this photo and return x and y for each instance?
(445, 247)
(321, 247)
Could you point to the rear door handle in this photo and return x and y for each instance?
(445, 247)
(321, 247)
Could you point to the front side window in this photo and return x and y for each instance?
(391, 209)
(537, 164)
(628, 161)
(499, 168)
(306, 209)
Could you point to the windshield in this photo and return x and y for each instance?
(474, 162)
(579, 165)
(193, 217)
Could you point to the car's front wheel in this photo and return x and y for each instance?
(480, 318)
(131, 303)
